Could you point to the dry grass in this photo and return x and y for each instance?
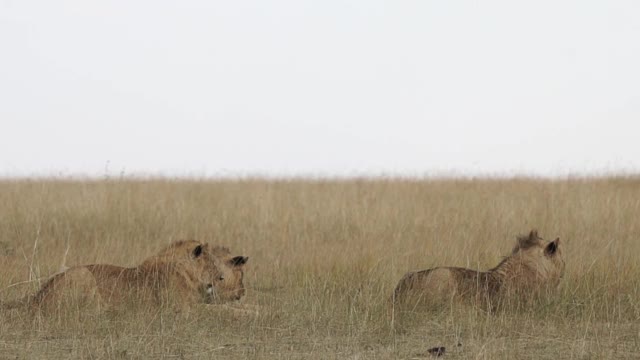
(324, 257)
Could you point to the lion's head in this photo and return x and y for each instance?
(229, 284)
(535, 261)
(218, 274)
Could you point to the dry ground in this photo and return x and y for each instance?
(324, 257)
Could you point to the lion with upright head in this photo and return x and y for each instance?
(534, 267)
(184, 273)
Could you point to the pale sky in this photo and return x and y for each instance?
(323, 88)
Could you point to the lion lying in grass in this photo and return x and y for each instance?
(533, 266)
(183, 273)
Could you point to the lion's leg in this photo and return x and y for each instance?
(247, 309)
(233, 309)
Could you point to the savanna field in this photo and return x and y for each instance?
(324, 257)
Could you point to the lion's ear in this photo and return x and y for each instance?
(533, 235)
(197, 251)
(238, 261)
(552, 247)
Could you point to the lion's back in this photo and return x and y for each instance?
(426, 286)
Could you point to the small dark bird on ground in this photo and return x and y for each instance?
(437, 351)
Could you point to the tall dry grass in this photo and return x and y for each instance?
(324, 258)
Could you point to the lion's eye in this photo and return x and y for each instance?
(221, 278)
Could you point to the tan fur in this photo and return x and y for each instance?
(231, 286)
(185, 272)
(533, 267)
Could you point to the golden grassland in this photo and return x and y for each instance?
(324, 258)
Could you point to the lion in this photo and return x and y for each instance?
(186, 272)
(534, 267)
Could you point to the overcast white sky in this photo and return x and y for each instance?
(211, 88)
